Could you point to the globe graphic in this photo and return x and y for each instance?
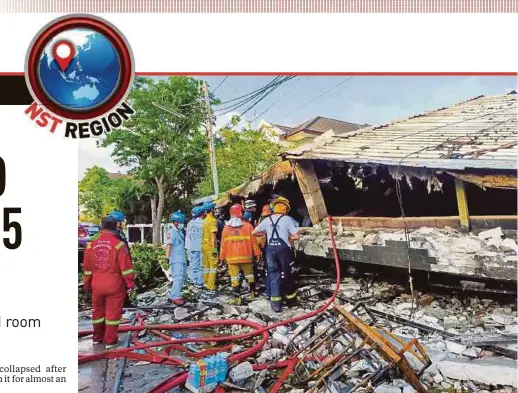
(91, 77)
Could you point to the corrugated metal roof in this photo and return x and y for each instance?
(479, 133)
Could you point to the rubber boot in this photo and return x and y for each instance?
(237, 296)
(253, 293)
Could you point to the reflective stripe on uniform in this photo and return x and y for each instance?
(126, 272)
(291, 296)
(119, 245)
(88, 246)
(276, 298)
(244, 258)
(98, 321)
(112, 323)
(237, 238)
(88, 273)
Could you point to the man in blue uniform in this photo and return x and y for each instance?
(193, 246)
(175, 253)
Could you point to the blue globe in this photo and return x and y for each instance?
(92, 76)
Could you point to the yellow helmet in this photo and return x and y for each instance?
(283, 201)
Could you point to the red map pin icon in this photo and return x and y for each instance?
(63, 52)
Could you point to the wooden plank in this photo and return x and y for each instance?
(308, 183)
(462, 203)
(418, 222)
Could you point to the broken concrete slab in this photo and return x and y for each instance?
(490, 371)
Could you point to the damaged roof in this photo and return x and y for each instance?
(318, 125)
(279, 171)
(479, 133)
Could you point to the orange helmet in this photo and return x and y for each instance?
(236, 210)
(267, 211)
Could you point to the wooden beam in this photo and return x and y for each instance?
(462, 202)
(308, 182)
(477, 222)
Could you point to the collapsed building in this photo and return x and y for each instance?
(438, 188)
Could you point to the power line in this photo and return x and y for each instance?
(294, 87)
(257, 96)
(320, 95)
(252, 92)
(220, 83)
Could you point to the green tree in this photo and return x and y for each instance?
(99, 194)
(94, 195)
(166, 149)
(240, 155)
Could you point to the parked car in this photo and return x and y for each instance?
(92, 229)
(82, 241)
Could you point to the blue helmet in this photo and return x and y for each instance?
(178, 216)
(208, 206)
(117, 215)
(248, 215)
(196, 211)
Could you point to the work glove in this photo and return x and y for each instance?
(215, 251)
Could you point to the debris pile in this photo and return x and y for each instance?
(490, 253)
(470, 342)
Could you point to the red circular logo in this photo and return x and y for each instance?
(79, 67)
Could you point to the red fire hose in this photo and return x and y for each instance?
(180, 378)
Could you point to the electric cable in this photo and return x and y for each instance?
(294, 87)
(220, 83)
(320, 95)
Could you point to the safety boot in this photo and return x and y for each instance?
(292, 300)
(235, 301)
(276, 306)
(253, 293)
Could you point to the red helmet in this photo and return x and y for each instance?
(236, 210)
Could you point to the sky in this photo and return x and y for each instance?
(359, 99)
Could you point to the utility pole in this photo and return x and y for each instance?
(212, 149)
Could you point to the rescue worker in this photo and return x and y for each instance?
(280, 233)
(120, 218)
(109, 274)
(250, 209)
(209, 249)
(175, 253)
(262, 269)
(239, 249)
(220, 221)
(193, 246)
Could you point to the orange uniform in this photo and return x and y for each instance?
(238, 247)
(109, 273)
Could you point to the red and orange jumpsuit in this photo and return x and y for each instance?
(109, 273)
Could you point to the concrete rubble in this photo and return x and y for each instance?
(452, 328)
(490, 253)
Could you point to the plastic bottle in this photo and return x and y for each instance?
(203, 373)
(223, 367)
(210, 361)
(194, 375)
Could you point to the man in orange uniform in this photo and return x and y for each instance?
(238, 249)
(109, 273)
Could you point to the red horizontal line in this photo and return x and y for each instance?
(310, 73)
